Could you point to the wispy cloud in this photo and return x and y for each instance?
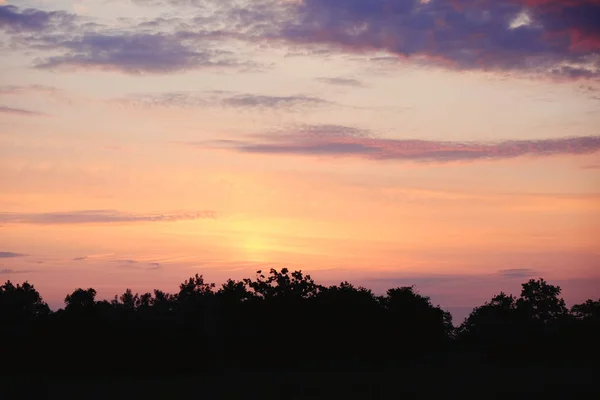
(126, 261)
(168, 99)
(93, 257)
(325, 141)
(20, 111)
(7, 271)
(589, 89)
(517, 273)
(25, 89)
(136, 265)
(591, 166)
(144, 48)
(222, 99)
(342, 82)
(10, 254)
(259, 101)
(592, 91)
(137, 53)
(99, 217)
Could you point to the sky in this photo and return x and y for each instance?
(449, 144)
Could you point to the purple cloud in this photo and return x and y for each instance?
(140, 48)
(137, 53)
(15, 20)
(553, 38)
(541, 36)
(347, 143)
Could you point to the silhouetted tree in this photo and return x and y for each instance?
(526, 328)
(339, 315)
(80, 300)
(234, 292)
(582, 339)
(283, 285)
(588, 311)
(540, 301)
(21, 302)
(491, 327)
(418, 327)
(128, 300)
(285, 318)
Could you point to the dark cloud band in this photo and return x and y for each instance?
(555, 38)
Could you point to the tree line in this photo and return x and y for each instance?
(283, 318)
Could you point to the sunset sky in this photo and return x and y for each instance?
(450, 144)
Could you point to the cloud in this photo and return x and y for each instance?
(309, 148)
(15, 20)
(99, 217)
(133, 264)
(24, 89)
(323, 141)
(7, 271)
(10, 254)
(126, 261)
(19, 111)
(148, 47)
(591, 166)
(591, 91)
(517, 273)
(342, 82)
(93, 256)
(176, 3)
(136, 53)
(154, 265)
(552, 37)
(221, 99)
(167, 99)
(258, 101)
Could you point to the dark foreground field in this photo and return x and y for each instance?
(325, 383)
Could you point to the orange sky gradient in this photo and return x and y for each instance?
(116, 179)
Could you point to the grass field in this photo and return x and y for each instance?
(323, 383)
